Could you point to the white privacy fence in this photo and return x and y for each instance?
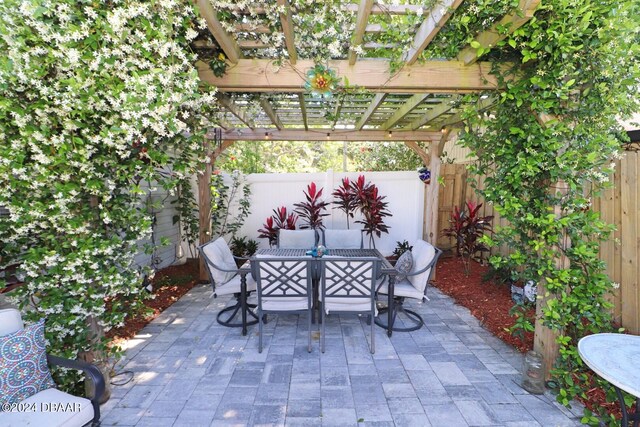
(403, 190)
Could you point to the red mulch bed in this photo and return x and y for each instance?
(169, 284)
(488, 302)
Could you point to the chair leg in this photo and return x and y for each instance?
(322, 326)
(309, 330)
(259, 331)
(373, 337)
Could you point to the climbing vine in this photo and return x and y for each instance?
(547, 147)
(99, 105)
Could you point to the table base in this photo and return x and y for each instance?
(626, 417)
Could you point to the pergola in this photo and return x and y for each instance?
(263, 95)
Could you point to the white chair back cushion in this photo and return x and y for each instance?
(296, 239)
(220, 255)
(10, 321)
(423, 253)
(343, 239)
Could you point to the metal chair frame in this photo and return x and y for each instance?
(283, 279)
(398, 301)
(348, 282)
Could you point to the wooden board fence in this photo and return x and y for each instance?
(619, 205)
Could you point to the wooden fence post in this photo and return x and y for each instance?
(204, 205)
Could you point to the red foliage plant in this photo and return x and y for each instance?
(313, 209)
(279, 220)
(372, 206)
(467, 227)
(346, 199)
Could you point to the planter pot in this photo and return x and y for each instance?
(517, 294)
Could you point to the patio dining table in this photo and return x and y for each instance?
(386, 268)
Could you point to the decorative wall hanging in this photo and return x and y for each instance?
(321, 81)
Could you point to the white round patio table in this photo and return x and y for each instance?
(615, 358)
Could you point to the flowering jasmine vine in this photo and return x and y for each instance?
(96, 101)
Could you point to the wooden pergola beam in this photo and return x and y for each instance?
(287, 30)
(231, 106)
(268, 109)
(435, 112)
(482, 105)
(226, 42)
(435, 20)
(262, 75)
(406, 108)
(373, 106)
(401, 9)
(512, 21)
(424, 156)
(364, 10)
(303, 110)
(321, 135)
(336, 112)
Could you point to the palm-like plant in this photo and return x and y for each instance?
(467, 227)
(313, 209)
(373, 208)
(279, 220)
(345, 199)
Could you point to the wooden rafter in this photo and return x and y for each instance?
(261, 75)
(321, 135)
(405, 109)
(228, 103)
(373, 106)
(268, 109)
(435, 112)
(434, 21)
(364, 10)
(419, 151)
(287, 30)
(226, 42)
(512, 21)
(303, 110)
(482, 105)
(378, 9)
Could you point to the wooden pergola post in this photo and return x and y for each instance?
(545, 339)
(204, 205)
(432, 195)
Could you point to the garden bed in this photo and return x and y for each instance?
(488, 302)
(169, 285)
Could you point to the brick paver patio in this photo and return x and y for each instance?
(190, 371)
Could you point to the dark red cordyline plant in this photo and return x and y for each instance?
(313, 209)
(373, 208)
(467, 227)
(346, 199)
(279, 220)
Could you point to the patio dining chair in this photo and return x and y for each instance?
(225, 280)
(411, 284)
(342, 239)
(284, 286)
(347, 285)
(297, 239)
(27, 391)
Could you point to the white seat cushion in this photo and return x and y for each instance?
(337, 304)
(401, 289)
(233, 286)
(51, 408)
(285, 304)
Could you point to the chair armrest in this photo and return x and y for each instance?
(90, 371)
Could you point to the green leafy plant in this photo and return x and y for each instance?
(402, 247)
(218, 64)
(243, 247)
(187, 213)
(230, 204)
(467, 228)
